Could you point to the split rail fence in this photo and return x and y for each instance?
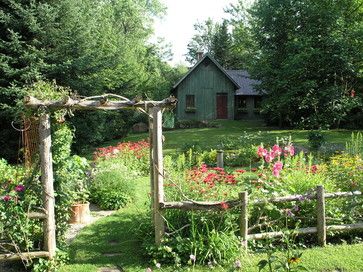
(319, 195)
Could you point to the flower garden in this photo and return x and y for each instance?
(195, 239)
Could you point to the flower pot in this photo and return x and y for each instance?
(80, 213)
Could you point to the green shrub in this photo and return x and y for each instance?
(113, 185)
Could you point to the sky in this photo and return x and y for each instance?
(177, 25)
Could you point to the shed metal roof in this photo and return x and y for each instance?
(245, 83)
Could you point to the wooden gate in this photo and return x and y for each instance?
(222, 106)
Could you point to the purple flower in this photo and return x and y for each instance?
(296, 208)
(289, 213)
(20, 188)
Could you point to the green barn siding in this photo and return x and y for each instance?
(250, 107)
(205, 82)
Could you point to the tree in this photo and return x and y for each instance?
(202, 41)
(308, 59)
(91, 46)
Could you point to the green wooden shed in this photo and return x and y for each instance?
(209, 92)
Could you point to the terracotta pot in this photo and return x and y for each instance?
(80, 213)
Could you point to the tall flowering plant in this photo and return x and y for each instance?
(16, 230)
(274, 156)
(135, 155)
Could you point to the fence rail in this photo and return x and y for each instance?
(319, 195)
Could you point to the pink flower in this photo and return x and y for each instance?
(278, 166)
(289, 150)
(261, 152)
(276, 150)
(276, 173)
(224, 205)
(20, 188)
(7, 198)
(269, 157)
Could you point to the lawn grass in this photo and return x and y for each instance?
(208, 138)
(87, 250)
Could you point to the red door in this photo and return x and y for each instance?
(222, 103)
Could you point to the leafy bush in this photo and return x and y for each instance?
(346, 171)
(70, 178)
(243, 156)
(113, 184)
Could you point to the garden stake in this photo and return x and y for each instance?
(243, 196)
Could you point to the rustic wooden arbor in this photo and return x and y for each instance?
(154, 110)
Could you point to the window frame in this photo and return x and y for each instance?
(190, 103)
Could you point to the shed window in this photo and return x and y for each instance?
(241, 102)
(190, 102)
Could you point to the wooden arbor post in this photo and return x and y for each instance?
(157, 174)
(47, 183)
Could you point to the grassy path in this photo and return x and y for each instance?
(113, 242)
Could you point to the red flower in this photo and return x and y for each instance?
(224, 205)
(314, 169)
(253, 169)
(7, 198)
(241, 171)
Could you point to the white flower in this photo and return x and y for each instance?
(192, 257)
(158, 265)
(237, 264)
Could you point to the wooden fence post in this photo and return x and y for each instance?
(220, 155)
(158, 171)
(152, 192)
(320, 214)
(243, 225)
(45, 143)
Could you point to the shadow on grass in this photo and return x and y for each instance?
(111, 241)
